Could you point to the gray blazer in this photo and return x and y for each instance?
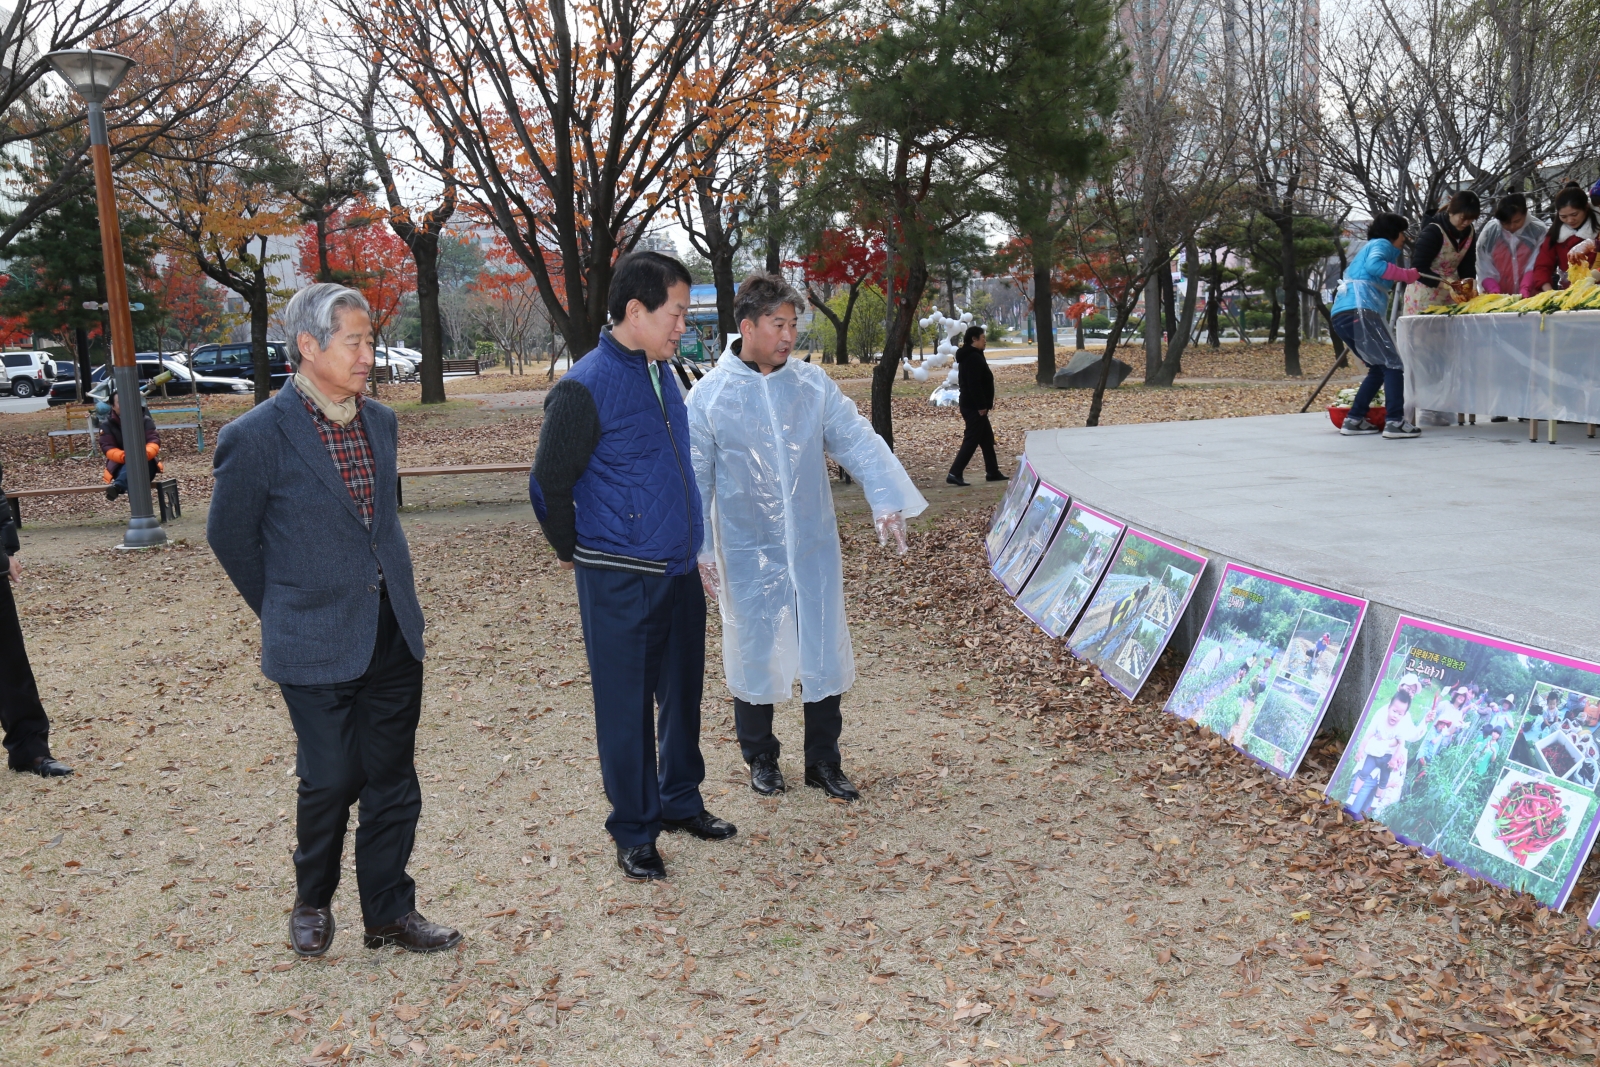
(285, 529)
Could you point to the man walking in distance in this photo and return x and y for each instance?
(762, 427)
(976, 382)
(614, 492)
(303, 519)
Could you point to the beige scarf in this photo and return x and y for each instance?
(341, 413)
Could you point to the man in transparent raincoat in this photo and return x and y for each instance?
(761, 427)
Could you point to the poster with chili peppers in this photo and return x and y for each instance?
(1483, 751)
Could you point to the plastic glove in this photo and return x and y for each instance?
(893, 523)
(116, 455)
(709, 579)
(1489, 285)
(151, 449)
(1581, 250)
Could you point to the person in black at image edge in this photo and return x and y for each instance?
(22, 714)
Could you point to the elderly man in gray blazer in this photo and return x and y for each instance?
(304, 520)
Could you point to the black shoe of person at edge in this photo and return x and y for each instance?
(829, 778)
(641, 863)
(47, 767)
(414, 934)
(955, 479)
(705, 826)
(113, 491)
(997, 477)
(765, 777)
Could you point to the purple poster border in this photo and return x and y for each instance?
(1504, 646)
(1338, 671)
(1122, 530)
(1067, 503)
(1037, 482)
(1177, 616)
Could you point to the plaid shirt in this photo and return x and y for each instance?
(351, 452)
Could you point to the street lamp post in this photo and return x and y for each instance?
(93, 75)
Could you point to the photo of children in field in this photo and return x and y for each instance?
(1482, 751)
(1069, 569)
(1006, 514)
(1133, 613)
(1038, 525)
(1266, 663)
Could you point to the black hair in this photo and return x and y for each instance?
(1386, 226)
(762, 294)
(1510, 206)
(1402, 696)
(1572, 195)
(972, 334)
(645, 277)
(1464, 202)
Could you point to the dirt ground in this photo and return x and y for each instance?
(1037, 871)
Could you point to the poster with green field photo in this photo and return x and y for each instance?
(1482, 751)
(1266, 663)
(1135, 610)
(1069, 569)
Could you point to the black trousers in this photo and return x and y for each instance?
(978, 434)
(357, 742)
(27, 728)
(645, 636)
(824, 722)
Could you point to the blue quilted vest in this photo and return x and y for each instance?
(638, 497)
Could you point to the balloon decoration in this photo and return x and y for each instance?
(947, 394)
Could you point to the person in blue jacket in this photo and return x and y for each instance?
(615, 492)
(1358, 319)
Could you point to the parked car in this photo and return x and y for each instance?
(184, 382)
(398, 363)
(176, 357)
(65, 368)
(28, 373)
(234, 361)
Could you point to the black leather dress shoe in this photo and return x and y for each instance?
(641, 862)
(48, 767)
(997, 477)
(310, 929)
(414, 934)
(765, 778)
(954, 479)
(831, 780)
(705, 826)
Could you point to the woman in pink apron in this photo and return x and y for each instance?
(1444, 252)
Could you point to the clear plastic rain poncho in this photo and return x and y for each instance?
(1505, 258)
(758, 444)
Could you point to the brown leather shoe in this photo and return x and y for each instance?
(310, 929)
(414, 934)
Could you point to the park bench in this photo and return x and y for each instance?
(435, 472)
(197, 425)
(462, 366)
(166, 496)
(65, 437)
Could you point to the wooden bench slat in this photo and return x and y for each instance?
(66, 491)
(472, 468)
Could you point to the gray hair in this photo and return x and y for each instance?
(762, 294)
(315, 310)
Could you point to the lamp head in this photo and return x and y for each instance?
(94, 74)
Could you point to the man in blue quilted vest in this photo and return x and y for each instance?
(615, 493)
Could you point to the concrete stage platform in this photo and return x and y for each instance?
(1472, 525)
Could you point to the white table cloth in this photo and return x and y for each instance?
(1524, 366)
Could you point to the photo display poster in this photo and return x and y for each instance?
(1483, 751)
(1020, 490)
(1033, 533)
(1069, 569)
(1266, 663)
(1135, 610)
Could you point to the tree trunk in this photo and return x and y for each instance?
(902, 320)
(1077, 330)
(425, 254)
(1172, 366)
(324, 272)
(1169, 312)
(1213, 313)
(1152, 321)
(1289, 271)
(722, 274)
(1044, 320)
(841, 324)
(259, 313)
(774, 245)
(1105, 364)
(1277, 316)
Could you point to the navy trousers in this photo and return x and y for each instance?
(646, 640)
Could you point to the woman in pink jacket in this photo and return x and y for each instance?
(1507, 245)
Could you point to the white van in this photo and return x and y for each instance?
(28, 373)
